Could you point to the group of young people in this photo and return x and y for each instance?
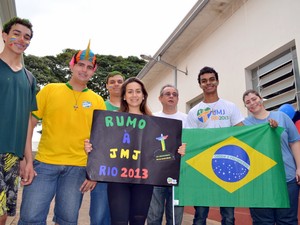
(58, 170)
(66, 110)
(130, 202)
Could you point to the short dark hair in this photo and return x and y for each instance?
(16, 20)
(112, 74)
(165, 86)
(251, 91)
(205, 70)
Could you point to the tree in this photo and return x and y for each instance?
(55, 69)
(129, 67)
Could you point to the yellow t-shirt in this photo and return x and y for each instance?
(66, 120)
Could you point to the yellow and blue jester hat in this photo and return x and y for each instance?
(86, 54)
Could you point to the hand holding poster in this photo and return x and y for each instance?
(130, 148)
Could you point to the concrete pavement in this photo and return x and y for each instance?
(84, 214)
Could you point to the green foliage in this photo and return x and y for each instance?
(55, 69)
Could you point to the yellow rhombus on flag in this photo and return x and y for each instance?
(203, 163)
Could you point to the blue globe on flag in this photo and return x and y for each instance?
(231, 163)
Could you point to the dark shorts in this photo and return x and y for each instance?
(9, 182)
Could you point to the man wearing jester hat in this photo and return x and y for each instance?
(66, 111)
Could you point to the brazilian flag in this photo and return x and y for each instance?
(232, 167)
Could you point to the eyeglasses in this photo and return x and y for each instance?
(168, 94)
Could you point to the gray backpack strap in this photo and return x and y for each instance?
(29, 76)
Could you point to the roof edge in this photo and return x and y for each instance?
(175, 34)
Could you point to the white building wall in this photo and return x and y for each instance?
(7, 11)
(1, 39)
(254, 32)
(166, 77)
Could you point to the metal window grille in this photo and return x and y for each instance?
(278, 80)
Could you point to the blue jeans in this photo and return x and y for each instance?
(64, 183)
(161, 197)
(99, 207)
(279, 216)
(201, 214)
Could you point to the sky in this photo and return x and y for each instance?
(115, 27)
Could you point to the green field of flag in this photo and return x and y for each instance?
(234, 166)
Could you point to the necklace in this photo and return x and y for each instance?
(206, 113)
(211, 105)
(76, 100)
